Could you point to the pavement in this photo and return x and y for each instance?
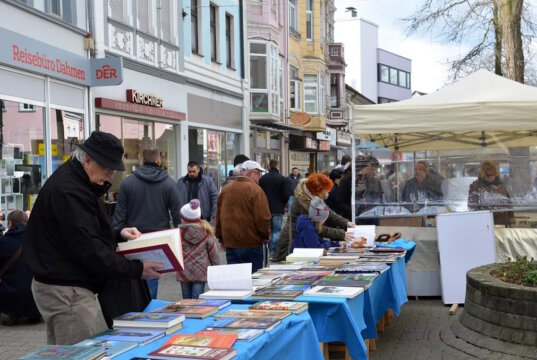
(424, 330)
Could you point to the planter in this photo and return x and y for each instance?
(498, 309)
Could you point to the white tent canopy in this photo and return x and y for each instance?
(482, 109)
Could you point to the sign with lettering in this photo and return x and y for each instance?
(28, 54)
(135, 97)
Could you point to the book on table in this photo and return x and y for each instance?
(244, 335)
(334, 291)
(388, 250)
(148, 320)
(229, 281)
(254, 314)
(351, 280)
(298, 279)
(288, 265)
(207, 339)
(305, 254)
(362, 268)
(246, 323)
(140, 336)
(294, 307)
(198, 312)
(111, 348)
(65, 352)
(192, 352)
(278, 292)
(159, 246)
(220, 304)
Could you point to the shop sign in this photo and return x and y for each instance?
(28, 54)
(324, 145)
(311, 144)
(343, 138)
(323, 135)
(135, 97)
(123, 106)
(300, 118)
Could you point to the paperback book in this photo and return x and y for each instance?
(235, 323)
(254, 314)
(192, 352)
(111, 348)
(66, 352)
(211, 340)
(334, 291)
(244, 335)
(298, 279)
(277, 292)
(294, 307)
(198, 312)
(148, 320)
(160, 246)
(362, 268)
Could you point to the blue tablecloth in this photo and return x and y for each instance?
(295, 338)
(408, 245)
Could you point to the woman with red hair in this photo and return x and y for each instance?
(335, 227)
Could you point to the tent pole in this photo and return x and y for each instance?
(353, 179)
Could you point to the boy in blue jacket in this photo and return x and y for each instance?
(308, 228)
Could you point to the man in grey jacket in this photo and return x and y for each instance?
(146, 199)
(195, 185)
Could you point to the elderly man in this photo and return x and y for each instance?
(195, 185)
(70, 246)
(146, 199)
(243, 217)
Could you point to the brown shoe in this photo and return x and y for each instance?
(11, 321)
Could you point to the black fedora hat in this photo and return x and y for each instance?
(106, 149)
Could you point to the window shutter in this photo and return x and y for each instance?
(143, 16)
(115, 8)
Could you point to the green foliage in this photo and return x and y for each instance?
(522, 271)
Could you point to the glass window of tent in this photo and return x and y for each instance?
(425, 183)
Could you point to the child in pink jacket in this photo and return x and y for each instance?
(199, 250)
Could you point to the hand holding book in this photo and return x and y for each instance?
(130, 233)
(151, 270)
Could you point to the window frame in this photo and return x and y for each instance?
(293, 16)
(398, 73)
(213, 31)
(337, 90)
(230, 41)
(194, 27)
(295, 89)
(311, 83)
(23, 107)
(272, 81)
(309, 20)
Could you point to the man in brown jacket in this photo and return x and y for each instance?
(243, 217)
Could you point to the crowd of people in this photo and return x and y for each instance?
(61, 261)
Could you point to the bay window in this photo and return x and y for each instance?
(264, 78)
(309, 20)
(311, 94)
(334, 90)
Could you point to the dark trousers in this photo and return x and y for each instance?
(250, 255)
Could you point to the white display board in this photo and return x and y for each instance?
(465, 241)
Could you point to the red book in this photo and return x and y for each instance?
(192, 352)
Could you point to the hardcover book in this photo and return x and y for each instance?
(277, 292)
(111, 348)
(334, 291)
(254, 314)
(234, 323)
(160, 246)
(139, 336)
(204, 302)
(352, 280)
(242, 334)
(199, 312)
(211, 340)
(298, 279)
(305, 254)
(294, 307)
(66, 352)
(192, 352)
(148, 320)
(362, 268)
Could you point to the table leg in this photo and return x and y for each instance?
(324, 350)
(380, 325)
(386, 318)
(372, 344)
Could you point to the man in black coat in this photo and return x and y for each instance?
(16, 298)
(70, 246)
(278, 190)
(146, 199)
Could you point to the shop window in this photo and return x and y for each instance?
(26, 107)
(66, 132)
(137, 135)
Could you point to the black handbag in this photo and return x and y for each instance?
(118, 297)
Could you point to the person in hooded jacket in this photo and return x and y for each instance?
(146, 199)
(195, 185)
(200, 250)
(309, 227)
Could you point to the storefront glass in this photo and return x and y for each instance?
(66, 131)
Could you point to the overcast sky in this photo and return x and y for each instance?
(429, 56)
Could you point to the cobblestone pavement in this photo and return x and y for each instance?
(424, 330)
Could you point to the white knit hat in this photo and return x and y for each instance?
(191, 212)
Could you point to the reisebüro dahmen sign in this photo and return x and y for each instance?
(28, 54)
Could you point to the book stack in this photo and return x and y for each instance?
(378, 257)
(293, 307)
(298, 278)
(254, 314)
(280, 292)
(368, 267)
(219, 303)
(229, 282)
(197, 312)
(244, 335)
(334, 291)
(111, 348)
(139, 336)
(246, 323)
(338, 260)
(192, 352)
(347, 280)
(152, 320)
(69, 352)
(290, 265)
